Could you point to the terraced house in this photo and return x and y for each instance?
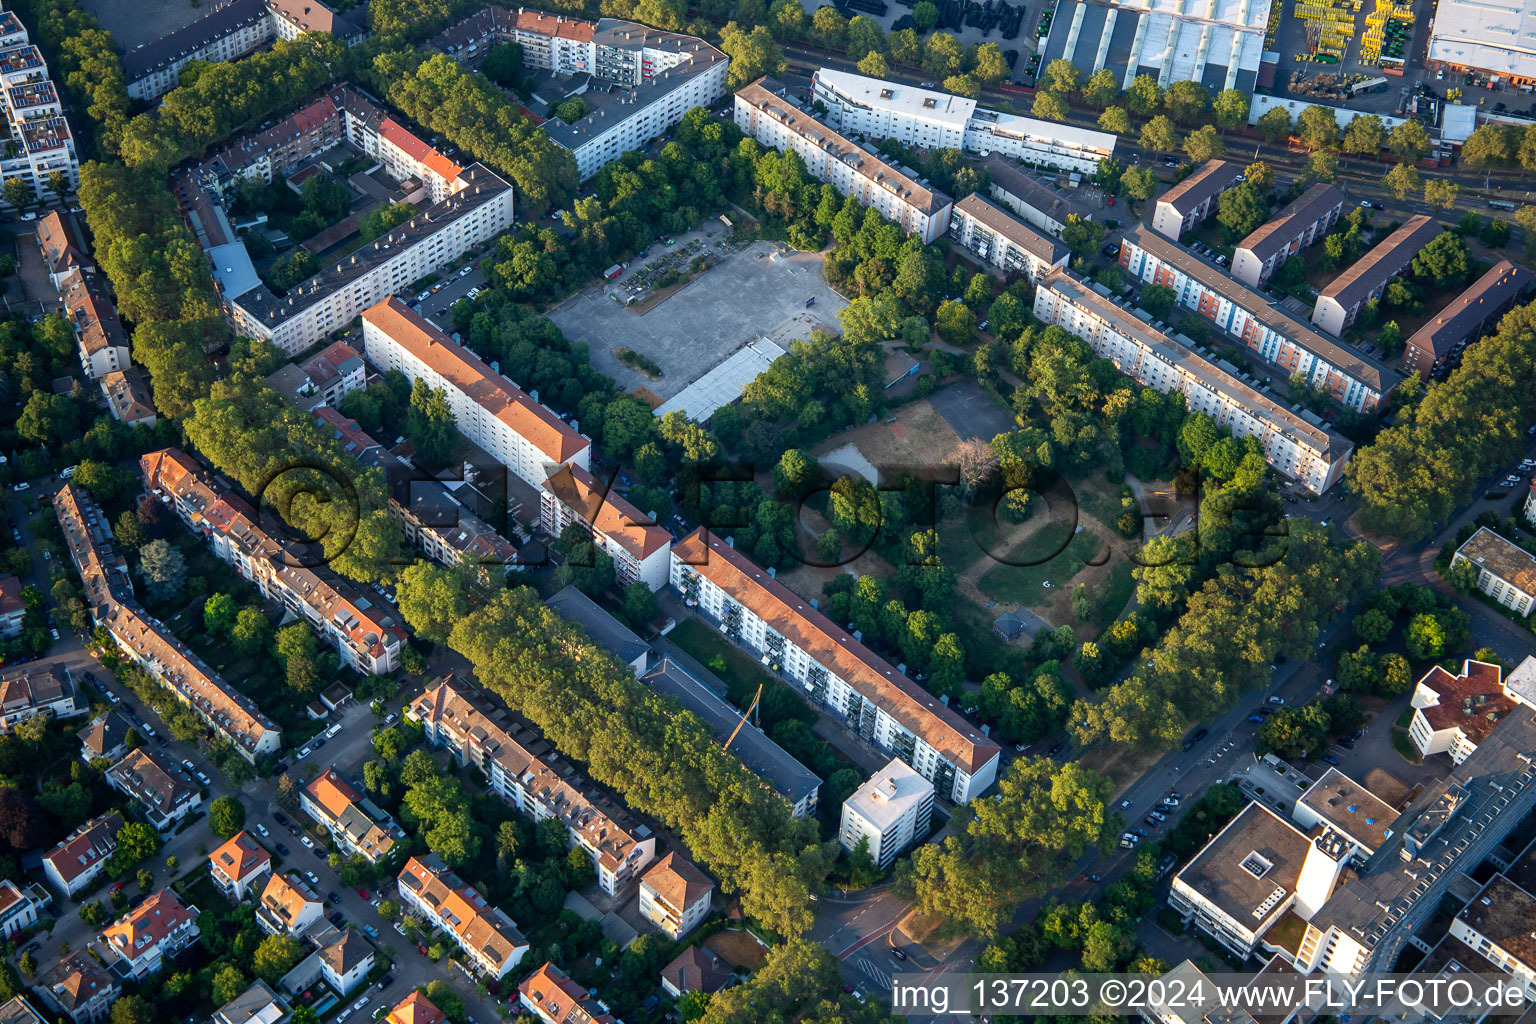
(366, 635)
(486, 935)
(523, 769)
(832, 669)
(109, 595)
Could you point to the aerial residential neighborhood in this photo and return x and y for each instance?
(621, 513)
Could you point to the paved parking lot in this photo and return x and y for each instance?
(749, 293)
(971, 412)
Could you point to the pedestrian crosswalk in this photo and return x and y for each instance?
(874, 972)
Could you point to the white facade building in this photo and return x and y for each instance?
(1506, 572)
(1192, 200)
(40, 143)
(1308, 453)
(998, 238)
(890, 812)
(489, 409)
(763, 113)
(832, 669)
(640, 549)
(674, 896)
(80, 859)
(478, 209)
(146, 936)
(1299, 225)
(487, 936)
(1454, 713)
(925, 118)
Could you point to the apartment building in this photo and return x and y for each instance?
(358, 826)
(434, 520)
(555, 999)
(1497, 926)
(1040, 205)
(523, 769)
(322, 379)
(925, 118)
(105, 736)
(79, 860)
(999, 239)
(239, 865)
(751, 746)
(164, 790)
(39, 143)
(367, 636)
(129, 397)
(344, 958)
(478, 210)
(1453, 713)
(1354, 380)
(490, 941)
(674, 895)
(488, 407)
(891, 811)
(1336, 801)
(79, 988)
(99, 335)
(46, 690)
(1300, 224)
(13, 610)
(232, 31)
(415, 1008)
(640, 549)
(63, 248)
(17, 1010)
(604, 630)
(288, 906)
(1296, 446)
(20, 909)
(109, 595)
(1340, 303)
(1529, 509)
(763, 112)
(1506, 572)
(1435, 349)
(1192, 200)
(830, 668)
(151, 933)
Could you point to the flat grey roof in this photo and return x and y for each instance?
(609, 633)
(752, 747)
(1241, 869)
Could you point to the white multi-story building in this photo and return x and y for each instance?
(39, 143)
(166, 792)
(763, 112)
(228, 33)
(80, 859)
(674, 895)
(924, 118)
(488, 408)
(1307, 452)
(1529, 510)
(1506, 572)
(288, 906)
(890, 812)
(109, 595)
(358, 826)
(99, 334)
(479, 208)
(1339, 304)
(367, 636)
(152, 932)
(239, 865)
(1191, 201)
(490, 941)
(20, 908)
(522, 769)
(1299, 225)
(1453, 713)
(998, 238)
(47, 691)
(1354, 380)
(640, 549)
(831, 668)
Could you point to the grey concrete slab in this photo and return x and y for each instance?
(971, 412)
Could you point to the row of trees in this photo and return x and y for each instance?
(85, 60)
(1420, 469)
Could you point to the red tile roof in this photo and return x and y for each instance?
(240, 858)
(608, 511)
(401, 138)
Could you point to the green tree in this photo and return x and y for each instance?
(1115, 120)
(1082, 236)
(1048, 106)
(1102, 88)
(926, 14)
(1490, 145)
(219, 613)
(251, 632)
(1322, 166)
(1144, 96)
(955, 322)
(228, 983)
(572, 110)
(872, 63)
(226, 817)
(133, 1009)
(1061, 76)
(1139, 182)
(1204, 143)
(1441, 194)
(17, 193)
(1188, 102)
(1230, 108)
(1317, 127)
(275, 957)
(1365, 135)
(1403, 180)
(1409, 141)
(1444, 261)
(430, 423)
(1425, 637)
(1274, 124)
(163, 569)
(1160, 135)
(1240, 210)
(753, 53)
(942, 56)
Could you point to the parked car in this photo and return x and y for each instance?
(313, 878)
(1330, 759)
(282, 849)
(385, 982)
(262, 830)
(1277, 701)
(280, 817)
(205, 780)
(309, 844)
(898, 954)
(1255, 718)
(1159, 815)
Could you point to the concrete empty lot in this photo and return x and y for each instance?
(970, 412)
(144, 21)
(747, 294)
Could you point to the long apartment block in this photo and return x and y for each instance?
(367, 637)
(522, 768)
(763, 112)
(479, 208)
(1001, 240)
(484, 932)
(640, 549)
(1339, 304)
(39, 142)
(228, 33)
(1351, 378)
(1192, 200)
(489, 409)
(434, 520)
(858, 104)
(1436, 348)
(109, 595)
(1041, 206)
(832, 669)
(1296, 446)
(661, 75)
(1300, 224)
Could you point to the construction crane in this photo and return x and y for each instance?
(750, 708)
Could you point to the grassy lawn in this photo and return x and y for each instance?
(1021, 580)
(1404, 746)
(742, 674)
(1114, 593)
